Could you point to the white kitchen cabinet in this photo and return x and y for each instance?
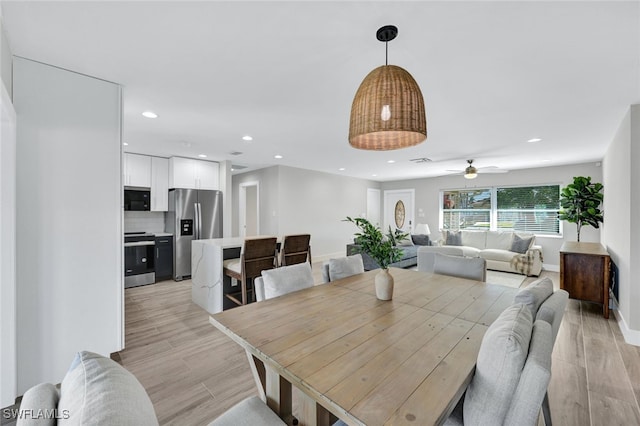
(136, 170)
(159, 184)
(193, 174)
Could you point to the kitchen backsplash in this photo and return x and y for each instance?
(143, 221)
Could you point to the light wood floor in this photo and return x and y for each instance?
(193, 373)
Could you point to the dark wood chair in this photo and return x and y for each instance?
(257, 255)
(295, 249)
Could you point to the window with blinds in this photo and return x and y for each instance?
(529, 209)
(519, 208)
(466, 209)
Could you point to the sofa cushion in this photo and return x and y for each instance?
(501, 358)
(42, 397)
(405, 241)
(521, 244)
(470, 251)
(421, 240)
(497, 254)
(499, 240)
(452, 238)
(534, 294)
(477, 239)
(286, 279)
(98, 391)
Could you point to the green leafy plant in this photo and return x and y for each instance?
(580, 202)
(381, 247)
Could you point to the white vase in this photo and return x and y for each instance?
(384, 285)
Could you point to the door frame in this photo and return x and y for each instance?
(242, 210)
(409, 215)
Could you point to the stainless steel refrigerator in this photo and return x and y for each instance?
(194, 214)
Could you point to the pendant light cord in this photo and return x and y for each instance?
(386, 53)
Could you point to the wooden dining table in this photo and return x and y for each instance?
(336, 351)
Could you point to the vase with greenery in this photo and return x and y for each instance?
(580, 202)
(382, 248)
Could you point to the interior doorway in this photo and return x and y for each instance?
(249, 211)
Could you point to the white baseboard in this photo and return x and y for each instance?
(632, 337)
(550, 267)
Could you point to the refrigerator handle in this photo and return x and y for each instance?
(196, 235)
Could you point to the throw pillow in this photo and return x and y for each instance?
(345, 267)
(534, 294)
(286, 279)
(421, 240)
(521, 245)
(40, 397)
(453, 238)
(408, 241)
(99, 391)
(502, 355)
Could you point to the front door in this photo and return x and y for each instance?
(398, 209)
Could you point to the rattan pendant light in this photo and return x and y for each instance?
(388, 109)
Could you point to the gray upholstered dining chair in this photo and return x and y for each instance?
(342, 267)
(512, 373)
(472, 268)
(427, 255)
(547, 305)
(283, 280)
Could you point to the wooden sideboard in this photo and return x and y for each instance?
(584, 272)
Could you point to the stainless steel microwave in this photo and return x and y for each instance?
(137, 200)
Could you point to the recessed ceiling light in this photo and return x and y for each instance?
(534, 140)
(277, 156)
(247, 138)
(233, 170)
(546, 160)
(202, 155)
(342, 169)
(150, 114)
(391, 161)
(374, 175)
(125, 144)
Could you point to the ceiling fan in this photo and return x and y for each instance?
(471, 172)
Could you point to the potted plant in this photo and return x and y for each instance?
(382, 248)
(580, 202)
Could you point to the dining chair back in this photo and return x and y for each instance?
(257, 255)
(512, 372)
(283, 280)
(342, 267)
(549, 306)
(295, 249)
(472, 268)
(427, 255)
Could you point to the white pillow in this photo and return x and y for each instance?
(286, 279)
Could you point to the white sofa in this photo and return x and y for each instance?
(495, 247)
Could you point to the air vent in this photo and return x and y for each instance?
(421, 160)
(235, 153)
(236, 167)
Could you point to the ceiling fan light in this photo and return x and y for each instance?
(470, 173)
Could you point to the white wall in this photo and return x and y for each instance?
(8, 341)
(227, 198)
(621, 170)
(428, 193)
(69, 222)
(317, 203)
(296, 200)
(6, 60)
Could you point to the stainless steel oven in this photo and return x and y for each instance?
(139, 255)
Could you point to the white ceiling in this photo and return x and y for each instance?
(493, 74)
